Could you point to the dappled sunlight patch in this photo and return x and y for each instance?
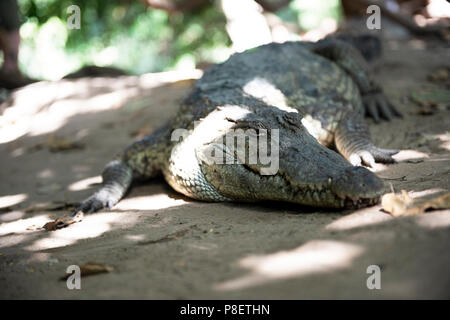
(150, 80)
(445, 139)
(10, 200)
(53, 122)
(84, 184)
(22, 225)
(264, 90)
(11, 130)
(12, 240)
(202, 246)
(405, 155)
(152, 202)
(12, 215)
(92, 226)
(135, 237)
(53, 103)
(427, 192)
(17, 152)
(40, 257)
(316, 256)
(361, 218)
(111, 100)
(434, 220)
(46, 173)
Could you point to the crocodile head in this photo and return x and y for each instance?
(296, 167)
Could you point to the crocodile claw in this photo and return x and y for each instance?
(96, 202)
(368, 156)
(376, 105)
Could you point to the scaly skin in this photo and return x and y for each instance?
(315, 94)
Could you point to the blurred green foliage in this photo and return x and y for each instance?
(309, 14)
(121, 33)
(126, 34)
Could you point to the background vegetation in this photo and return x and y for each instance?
(128, 35)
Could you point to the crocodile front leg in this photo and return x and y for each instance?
(352, 140)
(141, 160)
(117, 177)
(350, 60)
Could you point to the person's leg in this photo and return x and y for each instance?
(9, 44)
(9, 35)
(10, 75)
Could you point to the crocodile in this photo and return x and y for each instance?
(306, 100)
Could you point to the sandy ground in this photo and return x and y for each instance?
(165, 246)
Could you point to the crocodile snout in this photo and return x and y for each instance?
(358, 184)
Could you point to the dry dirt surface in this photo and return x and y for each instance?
(55, 138)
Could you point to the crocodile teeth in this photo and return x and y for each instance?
(316, 196)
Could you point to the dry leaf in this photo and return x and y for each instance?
(56, 144)
(430, 101)
(91, 268)
(63, 221)
(427, 109)
(403, 205)
(439, 75)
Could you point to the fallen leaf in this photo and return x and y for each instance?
(404, 205)
(63, 221)
(439, 75)
(430, 101)
(91, 268)
(56, 144)
(427, 109)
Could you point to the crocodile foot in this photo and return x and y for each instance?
(370, 154)
(99, 200)
(376, 104)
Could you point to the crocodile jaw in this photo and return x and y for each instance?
(353, 187)
(319, 196)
